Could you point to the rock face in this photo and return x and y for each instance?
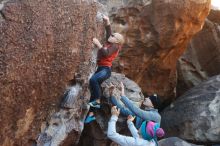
(46, 45)
(42, 45)
(94, 133)
(157, 33)
(201, 59)
(195, 115)
(174, 141)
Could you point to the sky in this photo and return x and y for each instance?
(216, 4)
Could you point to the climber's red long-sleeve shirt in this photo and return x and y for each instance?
(109, 52)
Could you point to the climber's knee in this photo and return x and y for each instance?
(92, 81)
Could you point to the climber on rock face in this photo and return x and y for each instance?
(106, 54)
(138, 138)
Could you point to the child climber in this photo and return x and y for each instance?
(106, 54)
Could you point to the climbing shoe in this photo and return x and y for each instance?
(94, 104)
(89, 119)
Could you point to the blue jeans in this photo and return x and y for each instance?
(102, 74)
(126, 112)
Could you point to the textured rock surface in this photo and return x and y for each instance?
(157, 33)
(174, 141)
(42, 45)
(94, 133)
(195, 115)
(202, 57)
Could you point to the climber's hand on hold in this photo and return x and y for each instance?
(106, 20)
(115, 111)
(97, 43)
(131, 118)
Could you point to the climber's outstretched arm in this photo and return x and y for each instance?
(107, 27)
(148, 115)
(124, 111)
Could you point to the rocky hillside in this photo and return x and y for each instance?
(195, 115)
(46, 53)
(157, 33)
(201, 59)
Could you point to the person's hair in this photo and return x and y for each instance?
(155, 100)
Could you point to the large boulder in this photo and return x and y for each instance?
(202, 58)
(157, 33)
(175, 141)
(195, 115)
(94, 133)
(43, 45)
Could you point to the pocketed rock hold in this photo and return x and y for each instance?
(132, 90)
(194, 116)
